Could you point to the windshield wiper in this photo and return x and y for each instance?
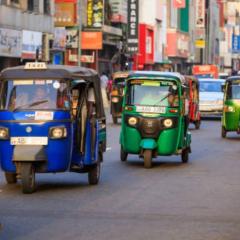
(31, 104)
(155, 104)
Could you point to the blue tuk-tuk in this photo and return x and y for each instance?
(51, 120)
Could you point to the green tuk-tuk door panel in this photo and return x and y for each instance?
(167, 142)
(130, 140)
(231, 119)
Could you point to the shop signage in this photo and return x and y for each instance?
(132, 26)
(65, 14)
(200, 43)
(119, 11)
(72, 38)
(200, 14)
(10, 42)
(92, 40)
(179, 3)
(235, 43)
(95, 10)
(31, 43)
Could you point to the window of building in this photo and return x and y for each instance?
(46, 7)
(30, 6)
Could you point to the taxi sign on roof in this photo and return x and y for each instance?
(35, 66)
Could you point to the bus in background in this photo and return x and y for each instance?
(205, 71)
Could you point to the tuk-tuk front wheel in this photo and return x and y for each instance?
(197, 124)
(123, 155)
(185, 155)
(94, 174)
(27, 172)
(10, 177)
(147, 156)
(224, 132)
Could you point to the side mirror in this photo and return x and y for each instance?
(223, 86)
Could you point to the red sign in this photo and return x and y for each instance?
(92, 40)
(205, 70)
(179, 3)
(146, 45)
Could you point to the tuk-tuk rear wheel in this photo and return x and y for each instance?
(10, 177)
(94, 174)
(147, 156)
(224, 132)
(28, 177)
(123, 155)
(185, 155)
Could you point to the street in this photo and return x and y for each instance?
(171, 201)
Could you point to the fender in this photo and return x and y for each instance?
(148, 143)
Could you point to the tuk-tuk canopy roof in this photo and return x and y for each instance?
(232, 79)
(70, 73)
(52, 71)
(169, 75)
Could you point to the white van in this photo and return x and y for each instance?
(211, 96)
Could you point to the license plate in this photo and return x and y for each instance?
(29, 140)
(150, 109)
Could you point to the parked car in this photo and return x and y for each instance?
(211, 96)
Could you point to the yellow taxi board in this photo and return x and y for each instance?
(35, 66)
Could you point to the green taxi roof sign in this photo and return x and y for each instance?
(35, 66)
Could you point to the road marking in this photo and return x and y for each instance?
(108, 148)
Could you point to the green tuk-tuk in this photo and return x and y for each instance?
(118, 85)
(231, 109)
(154, 119)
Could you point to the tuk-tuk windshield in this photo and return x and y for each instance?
(153, 93)
(34, 94)
(233, 90)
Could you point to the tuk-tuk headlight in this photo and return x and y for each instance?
(229, 109)
(57, 132)
(4, 133)
(168, 123)
(132, 121)
(115, 100)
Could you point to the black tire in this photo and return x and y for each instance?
(94, 174)
(224, 132)
(123, 155)
(115, 120)
(10, 177)
(147, 157)
(197, 124)
(28, 178)
(185, 155)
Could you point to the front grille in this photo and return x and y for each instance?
(150, 126)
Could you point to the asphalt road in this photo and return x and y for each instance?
(171, 201)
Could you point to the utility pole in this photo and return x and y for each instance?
(79, 22)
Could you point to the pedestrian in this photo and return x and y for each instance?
(104, 82)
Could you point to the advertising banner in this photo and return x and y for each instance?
(31, 42)
(132, 26)
(119, 11)
(95, 16)
(200, 14)
(59, 42)
(10, 42)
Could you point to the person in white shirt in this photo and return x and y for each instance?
(104, 82)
